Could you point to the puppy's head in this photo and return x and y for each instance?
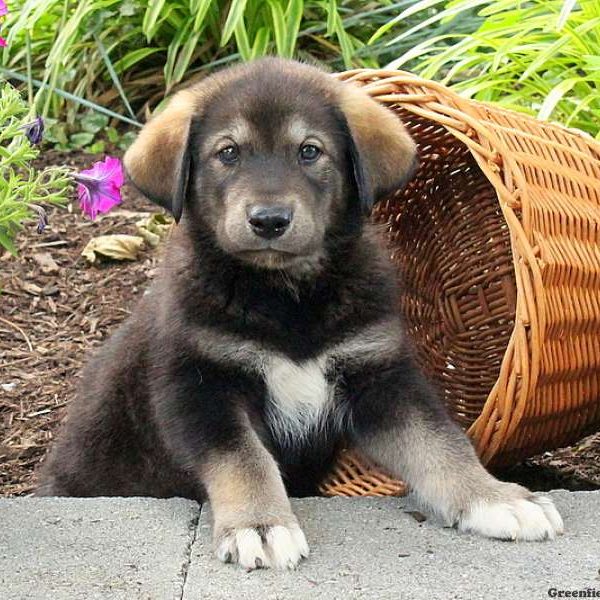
(271, 158)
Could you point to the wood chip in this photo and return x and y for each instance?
(47, 264)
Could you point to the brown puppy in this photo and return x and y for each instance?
(271, 335)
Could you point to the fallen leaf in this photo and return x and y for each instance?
(155, 228)
(117, 247)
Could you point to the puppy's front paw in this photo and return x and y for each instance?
(276, 546)
(523, 516)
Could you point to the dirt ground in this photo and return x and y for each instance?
(55, 307)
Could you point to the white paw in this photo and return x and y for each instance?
(530, 519)
(255, 548)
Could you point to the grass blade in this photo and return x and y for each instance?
(261, 43)
(236, 12)
(151, 18)
(555, 96)
(200, 12)
(293, 18)
(242, 41)
(113, 75)
(82, 101)
(278, 26)
(566, 10)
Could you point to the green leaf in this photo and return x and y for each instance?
(57, 133)
(236, 12)
(94, 122)
(444, 14)
(127, 8)
(6, 241)
(173, 52)
(242, 42)
(151, 18)
(96, 147)
(567, 9)
(555, 96)
(134, 57)
(423, 5)
(200, 12)
(278, 26)
(592, 62)
(293, 17)
(113, 74)
(112, 134)
(126, 140)
(261, 42)
(79, 140)
(184, 58)
(332, 13)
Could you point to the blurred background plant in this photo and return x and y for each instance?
(89, 65)
(24, 190)
(121, 57)
(537, 56)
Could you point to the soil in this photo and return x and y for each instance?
(55, 308)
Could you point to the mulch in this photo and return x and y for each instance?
(55, 308)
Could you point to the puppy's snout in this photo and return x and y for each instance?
(269, 222)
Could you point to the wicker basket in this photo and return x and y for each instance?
(497, 240)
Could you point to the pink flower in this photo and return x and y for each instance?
(3, 13)
(99, 188)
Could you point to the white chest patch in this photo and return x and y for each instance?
(300, 397)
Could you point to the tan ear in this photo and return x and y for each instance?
(157, 163)
(384, 147)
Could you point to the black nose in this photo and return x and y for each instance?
(269, 221)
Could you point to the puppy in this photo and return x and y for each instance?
(271, 335)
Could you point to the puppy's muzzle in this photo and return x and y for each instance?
(269, 222)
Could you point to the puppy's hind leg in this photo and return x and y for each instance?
(402, 426)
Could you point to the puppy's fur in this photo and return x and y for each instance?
(253, 356)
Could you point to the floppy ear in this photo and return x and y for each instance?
(158, 162)
(383, 154)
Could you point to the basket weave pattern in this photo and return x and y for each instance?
(497, 241)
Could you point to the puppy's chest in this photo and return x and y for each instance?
(301, 397)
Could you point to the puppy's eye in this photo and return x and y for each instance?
(309, 153)
(229, 155)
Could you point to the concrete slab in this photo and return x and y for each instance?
(369, 548)
(95, 548)
(147, 549)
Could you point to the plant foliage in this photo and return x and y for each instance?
(23, 189)
(120, 54)
(538, 56)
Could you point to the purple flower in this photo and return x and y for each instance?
(34, 131)
(42, 217)
(99, 188)
(2, 42)
(42, 222)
